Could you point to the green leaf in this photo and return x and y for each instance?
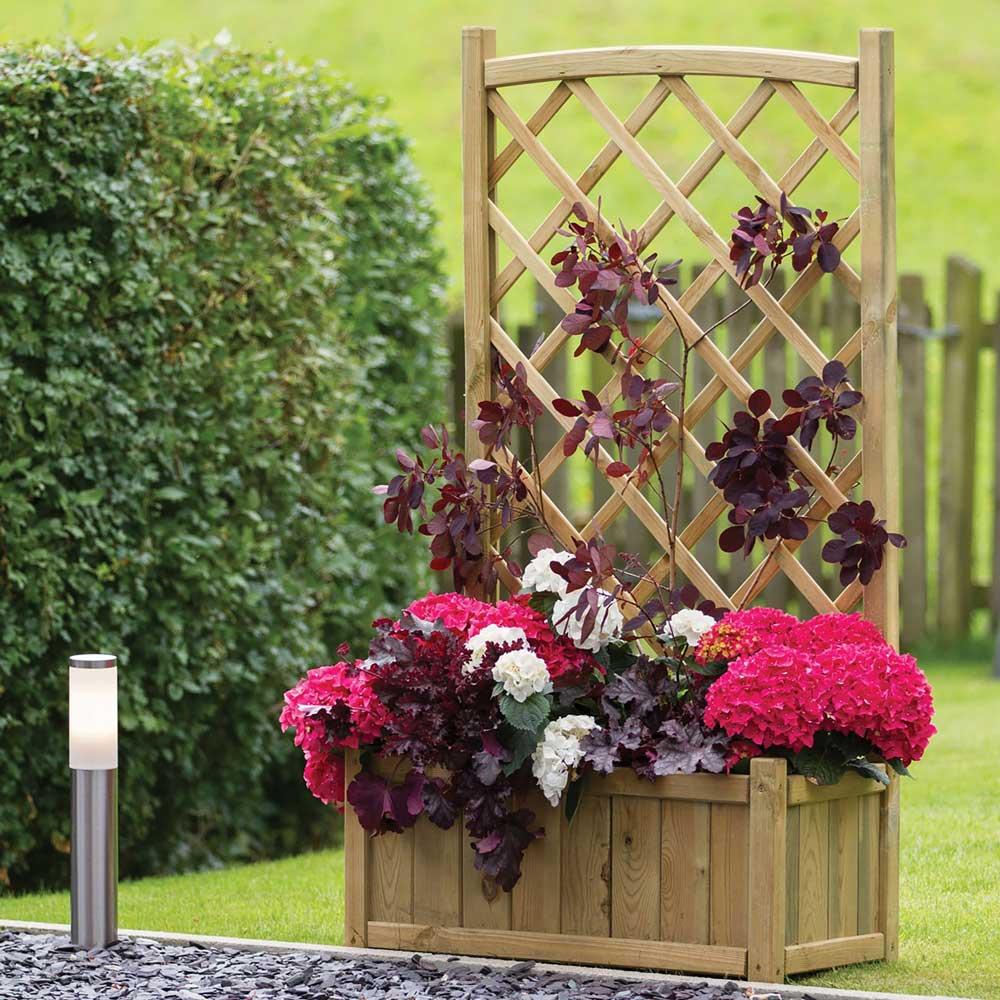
(521, 743)
(574, 796)
(819, 767)
(90, 498)
(170, 493)
(529, 714)
(707, 669)
(899, 767)
(868, 770)
(543, 603)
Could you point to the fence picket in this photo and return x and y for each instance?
(958, 407)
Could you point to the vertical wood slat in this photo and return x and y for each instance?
(767, 846)
(478, 45)
(635, 868)
(843, 884)
(484, 903)
(535, 901)
(586, 868)
(390, 875)
(437, 874)
(355, 867)
(876, 80)
(686, 850)
(913, 313)
(792, 875)
(728, 875)
(814, 872)
(995, 589)
(959, 400)
(868, 855)
(888, 867)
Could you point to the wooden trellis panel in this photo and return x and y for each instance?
(867, 84)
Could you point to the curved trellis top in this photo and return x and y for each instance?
(868, 80)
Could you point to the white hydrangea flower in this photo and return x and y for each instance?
(522, 673)
(538, 576)
(688, 624)
(500, 635)
(558, 753)
(607, 626)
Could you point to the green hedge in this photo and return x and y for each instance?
(219, 300)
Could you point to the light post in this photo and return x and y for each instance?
(93, 759)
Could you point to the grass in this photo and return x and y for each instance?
(947, 77)
(950, 907)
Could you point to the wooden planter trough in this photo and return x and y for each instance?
(757, 877)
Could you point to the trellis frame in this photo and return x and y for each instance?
(757, 875)
(868, 79)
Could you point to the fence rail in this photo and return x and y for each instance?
(949, 419)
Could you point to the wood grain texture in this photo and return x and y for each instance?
(766, 911)
(676, 60)
(733, 788)
(888, 868)
(535, 901)
(837, 951)
(843, 883)
(437, 874)
(802, 790)
(390, 884)
(868, 848)
(478, 45)
(878, 310)
(573, 948)
(729, 875)
(355, 867)
(586, 869)
(792, 875)
(814, 871)
(635, 868)
(484, 904)
(684, 865)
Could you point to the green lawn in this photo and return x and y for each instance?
(947, 78)
(950, 870)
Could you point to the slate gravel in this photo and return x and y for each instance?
(48, 967)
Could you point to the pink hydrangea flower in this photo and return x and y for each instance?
(740, 633)
(455, 610)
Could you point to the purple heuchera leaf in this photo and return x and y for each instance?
(500, 852)
(381, 807)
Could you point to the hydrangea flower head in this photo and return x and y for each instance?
(607, 626)
(522, 673)
(688, 624)
(539, 577)
(497, 635)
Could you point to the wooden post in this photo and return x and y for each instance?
(880, 467)
(455, 335)
(958, 447)
(355, 867)
(995, 590)
(913, 315)
(888, 868)
(478, 45)
(766, 908)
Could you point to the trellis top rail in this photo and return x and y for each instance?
(673, 60)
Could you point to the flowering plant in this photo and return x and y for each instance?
(463, 705)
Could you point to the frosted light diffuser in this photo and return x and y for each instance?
(93, 712)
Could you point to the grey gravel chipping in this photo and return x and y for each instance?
(48, 967)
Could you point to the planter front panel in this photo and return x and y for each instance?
(672, 874)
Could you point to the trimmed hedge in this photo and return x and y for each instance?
(219, 299)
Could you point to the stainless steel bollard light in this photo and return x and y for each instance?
(93, 759)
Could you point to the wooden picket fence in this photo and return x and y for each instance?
(941, 352)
